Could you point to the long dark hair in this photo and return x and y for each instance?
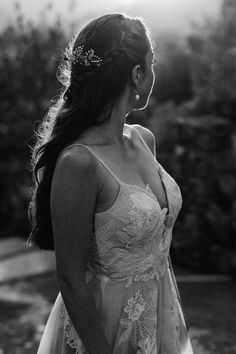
(86, 100)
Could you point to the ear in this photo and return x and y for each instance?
(136, 75)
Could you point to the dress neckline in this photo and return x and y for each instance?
(147, 190)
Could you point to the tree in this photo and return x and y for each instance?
(213, 53)
(28, 82)
(173, 76)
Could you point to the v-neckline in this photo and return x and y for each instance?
(145, 190)
(152, 193)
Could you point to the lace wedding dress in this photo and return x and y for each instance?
(131, 277)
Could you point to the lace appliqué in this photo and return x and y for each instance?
(141, 219)
(139, 323)
(72, 338)
(133, 245)
(145, 259)
(102, 236)
(144, 263)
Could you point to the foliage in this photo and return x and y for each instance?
(27, 81)
(173, 71)
(213, 60)
(200, 153)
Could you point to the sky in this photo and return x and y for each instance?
(160, 15)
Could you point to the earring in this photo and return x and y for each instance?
(137, 96)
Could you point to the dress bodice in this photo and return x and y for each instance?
(132, 238)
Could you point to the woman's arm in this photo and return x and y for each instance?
(74, 189)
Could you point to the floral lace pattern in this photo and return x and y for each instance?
(72, 337)
(139, 322)
(133, 245)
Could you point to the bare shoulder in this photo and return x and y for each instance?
(75, 170)
(77, 161)
(76, 157)
(147, 135)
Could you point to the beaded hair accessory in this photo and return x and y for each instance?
(84, 58)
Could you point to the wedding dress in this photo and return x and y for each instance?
(130, 274)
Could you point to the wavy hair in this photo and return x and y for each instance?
(85, 100)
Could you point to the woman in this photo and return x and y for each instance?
(104, 204)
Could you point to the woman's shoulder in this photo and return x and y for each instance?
(69, 156)
(75, 163)
(147, 135)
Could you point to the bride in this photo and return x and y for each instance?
(104, 204)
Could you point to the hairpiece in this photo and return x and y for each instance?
(82, 57)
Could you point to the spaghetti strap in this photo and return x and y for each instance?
(98, 158)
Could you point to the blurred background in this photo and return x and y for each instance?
(192, 113)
